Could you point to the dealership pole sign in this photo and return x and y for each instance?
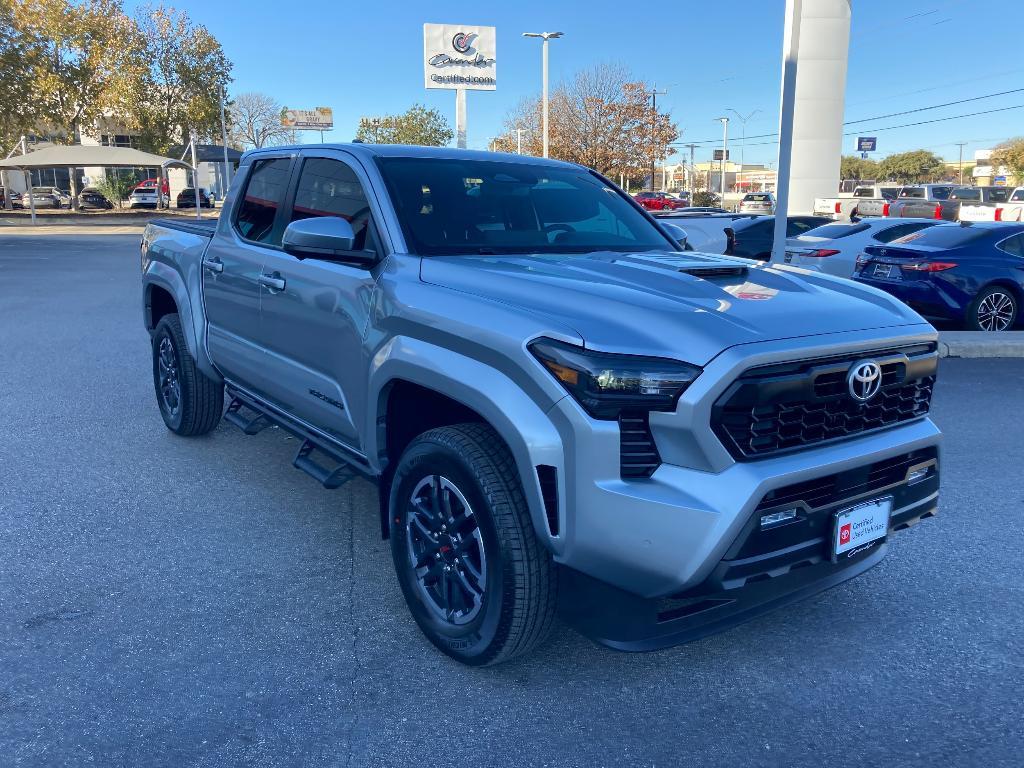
(462, 58)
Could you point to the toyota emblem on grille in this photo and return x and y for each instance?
(864, 380)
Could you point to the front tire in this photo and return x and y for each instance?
(994, 309)
(190, 402)
(477, 580)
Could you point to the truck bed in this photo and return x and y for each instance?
(201, 227)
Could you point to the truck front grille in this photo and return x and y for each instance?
(779, 408)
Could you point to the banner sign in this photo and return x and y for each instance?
(459, 56)
(319, 119)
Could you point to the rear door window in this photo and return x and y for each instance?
(330, 187)
(941, 193)
(263, 197)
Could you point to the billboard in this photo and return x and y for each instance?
(459, 56)
(319, 119)
(866, 143)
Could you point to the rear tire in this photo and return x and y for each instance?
(191, 403)
(477, 580)
(994, 309)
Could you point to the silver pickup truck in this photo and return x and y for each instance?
(563, 410)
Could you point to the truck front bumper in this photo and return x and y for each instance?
(762, 568)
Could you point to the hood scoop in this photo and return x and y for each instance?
(696, 264)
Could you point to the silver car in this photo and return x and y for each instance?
(758, 202)
(834, 248)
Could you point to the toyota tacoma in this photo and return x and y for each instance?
(565, 412)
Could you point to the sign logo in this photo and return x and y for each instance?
(867, 143)
(463, 42)
(864, 380)
(844, 534)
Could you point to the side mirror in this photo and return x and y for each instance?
(324, 237)
(676, 232)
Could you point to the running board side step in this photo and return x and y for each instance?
(249, 425)
(328, 478)
(345, 466)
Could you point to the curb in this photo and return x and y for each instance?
(977, 344)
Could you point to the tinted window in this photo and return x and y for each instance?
(889, 193)
(944, 236)
(836, 231)
(459, 206)
(331, 188)
(912, 192)
(966, 194)
(646, 194)
(891, 233)
(1013, 245)
(796, 227)
(758, 198)
(863, 192)
(264, 193)
(941, 193)
(1017, 196)
(1000, 195)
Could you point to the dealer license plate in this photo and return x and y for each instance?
(883, 270)
(860, 527)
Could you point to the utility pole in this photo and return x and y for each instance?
(224, 141)
(693, 170)
(655, 93)
(961, 145)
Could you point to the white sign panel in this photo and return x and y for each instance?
(319, 119)
(459, 56)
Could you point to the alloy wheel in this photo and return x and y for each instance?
(995, 312)
(446, 550)
(167, 367)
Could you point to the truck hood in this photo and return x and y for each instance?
(688, 306)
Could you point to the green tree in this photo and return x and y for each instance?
(1009, 154)
(18, 112)
(418, 125)
(178, 90)
(77, 59)
(853, 167)
(917, 165)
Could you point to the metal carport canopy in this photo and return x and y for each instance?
(84, 156)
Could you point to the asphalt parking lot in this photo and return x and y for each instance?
(172, 602)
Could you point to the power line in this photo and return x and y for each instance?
(895, 114)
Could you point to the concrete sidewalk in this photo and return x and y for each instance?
(973, 344)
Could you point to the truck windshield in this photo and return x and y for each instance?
(448, 206)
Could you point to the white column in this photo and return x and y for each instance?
(822, 49)
(790, 48)
(460, 118)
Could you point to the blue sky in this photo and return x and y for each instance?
(364, 58)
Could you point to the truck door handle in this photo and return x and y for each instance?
(272, 282)
(214, 265)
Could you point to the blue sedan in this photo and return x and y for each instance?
(971, 272)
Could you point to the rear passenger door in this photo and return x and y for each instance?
(232, 267)
(312, 328)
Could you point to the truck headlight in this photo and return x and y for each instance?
(606, 384)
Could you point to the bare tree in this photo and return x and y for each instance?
(601, 118)
(256, 122)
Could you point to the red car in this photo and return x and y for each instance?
(151, 184)
(658, 201)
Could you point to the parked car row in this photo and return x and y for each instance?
(970, 273)
(941, 202)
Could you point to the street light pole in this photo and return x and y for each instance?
(545, 37)
(725, 151)
(655, 93)
(224, 141)
(519, 141)
(743, 122)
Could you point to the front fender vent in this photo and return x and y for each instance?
(638, 455)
